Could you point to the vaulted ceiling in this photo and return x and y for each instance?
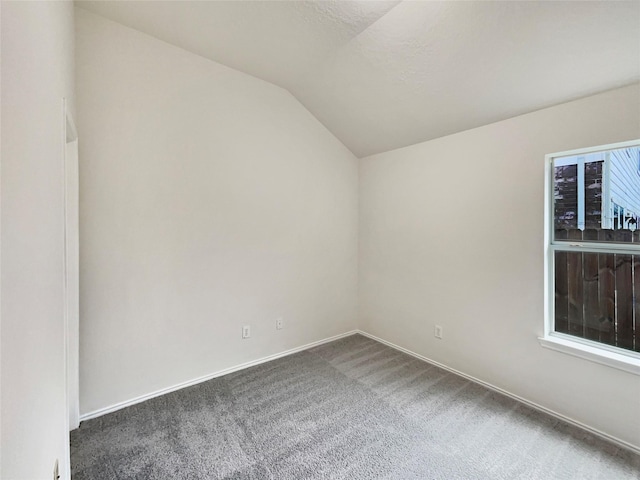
(386, 74)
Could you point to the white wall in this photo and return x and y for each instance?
(37, 72)
(209, 200)
(451, 233)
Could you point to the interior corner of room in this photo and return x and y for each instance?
(177, 218)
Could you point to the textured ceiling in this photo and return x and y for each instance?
(386, 74)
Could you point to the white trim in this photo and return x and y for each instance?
(580, 192)
(600, 148)
(65, 471)
(120, 405)
(598, 354)
(71, 133)
(606, 436)
(71, 266)
(590, 247)
(548, 253)
(219, 373)
(573, 160)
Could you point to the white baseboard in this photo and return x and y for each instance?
(606, 436)
(195, 381)
(157, 393)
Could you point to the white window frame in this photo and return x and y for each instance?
(615, 357)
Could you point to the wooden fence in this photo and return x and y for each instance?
(597, 295)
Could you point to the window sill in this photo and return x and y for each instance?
(604, 357)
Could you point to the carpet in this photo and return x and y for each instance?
(349, 409)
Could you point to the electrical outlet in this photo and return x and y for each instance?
(246, 331)
(279, 323)
(438, 332)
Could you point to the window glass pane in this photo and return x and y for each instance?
(597, 192)
(595, 297)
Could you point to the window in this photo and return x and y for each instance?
(592, 268)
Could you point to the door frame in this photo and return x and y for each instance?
(71, 268)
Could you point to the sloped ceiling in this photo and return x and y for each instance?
(386, 74)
